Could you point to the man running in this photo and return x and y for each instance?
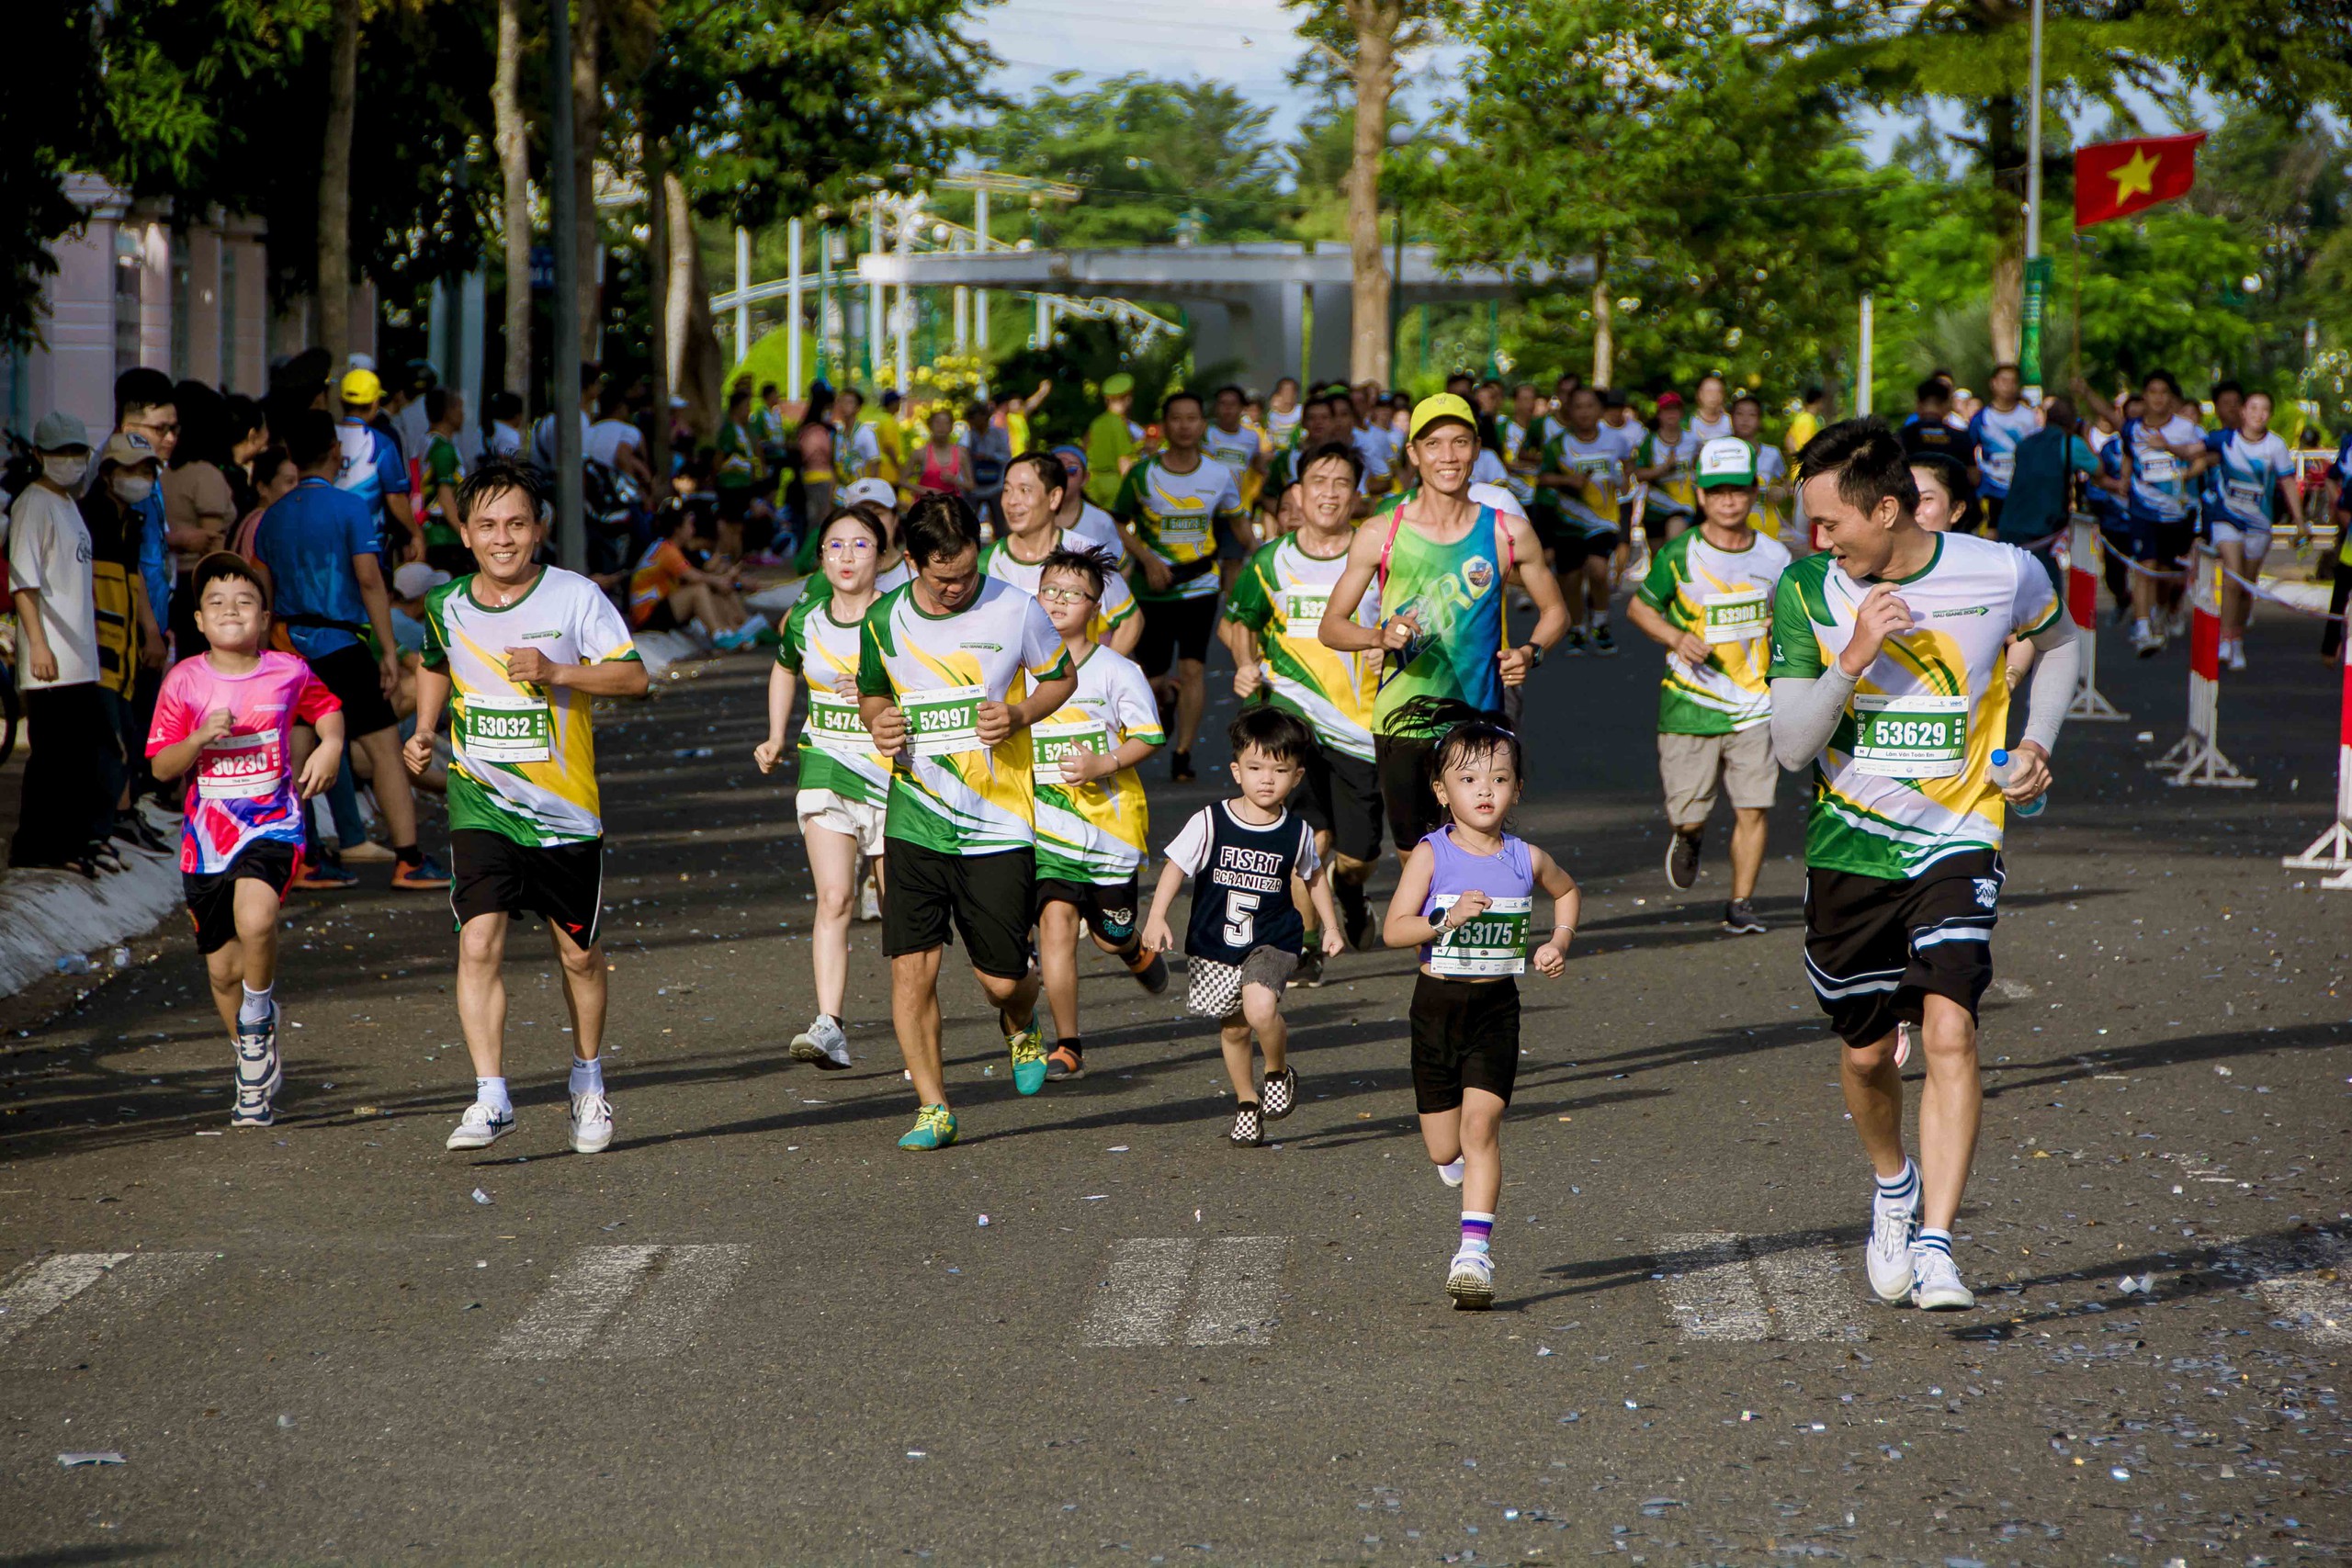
(955, 669)
(2254, 474)
(1274, 617)
(1708, 600)
(525, 649)
(1036, 487)
(1888, 679)
(1768, 504)
(1994, 432)
(1439, 563)
(1239, 448)
(2163, 451)
(1168, 509)
(1663, 462)
(1584, 467)
(369, 466)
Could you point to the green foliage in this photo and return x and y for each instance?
(50, 102)
(1081, 355)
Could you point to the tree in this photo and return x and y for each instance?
(512, 136)
(48, 117)
(335, 181)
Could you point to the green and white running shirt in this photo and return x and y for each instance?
(1175, 517)
(1599, 467)
(1904, 780)
(525, 756)
(1237, 449)
(949, 792)
(1094, 832)
(836, 752)
(1724, 596)
(1118, 603)
(1281, 595)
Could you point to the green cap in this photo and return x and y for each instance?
(1726, 460)
(1118, 384)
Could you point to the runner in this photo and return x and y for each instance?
(1244, 936)
(953, 669)
(1035, 488)
(1887, 680)
(1584, 470)
(443, 471)
(1372, 447)
(1663, 463)
(1282, 411)
(1770, 500)
(1467, 899)
(1438, 564)
(1711, 419)
(1273, 620)
(371, 466)
(523, 650)
(2253, 473)
(1931, 427)
(1994, 432)
(1520, 435)
(2163, 451)
(844, 782)
(1239, 448)
(1168, 508)
(1081, 516)
(1314, 432)
(1092, 820)
(1708, 600)
(225, 718)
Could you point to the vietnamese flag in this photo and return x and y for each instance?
(2115, 179)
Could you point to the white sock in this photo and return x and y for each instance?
(255, 1006)
(492, 1093)
(588, 1078)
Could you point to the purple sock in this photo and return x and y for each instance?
(1476, 1230)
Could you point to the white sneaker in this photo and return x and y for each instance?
(869, 906)
(259, 1068)
(2237, 656)
(1894, 1226)
(1450, 1173)
(591, 1124)
(253, 1108)
(480, 1127)
(1470, 1280)
(823, 1043)
(1938, 1288)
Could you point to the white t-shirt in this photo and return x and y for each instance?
(607, 436)
(503, 440)
(543, 439)
(49, 552)
(1096, 526)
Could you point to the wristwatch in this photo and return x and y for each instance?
(1535, 654)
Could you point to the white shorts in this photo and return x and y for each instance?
(856, 819)
(2255, 541)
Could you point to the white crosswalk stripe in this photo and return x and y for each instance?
(106, 1285)
(1721, 1285)
(623, 1302)
(1232, 1282)
(2301, 1280)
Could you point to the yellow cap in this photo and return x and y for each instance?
(1445, 405)
(362, 387)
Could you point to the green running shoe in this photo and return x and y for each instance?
(934, 1128)
(1028, 1049)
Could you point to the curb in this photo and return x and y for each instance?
(46, 914)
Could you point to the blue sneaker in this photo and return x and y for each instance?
(425, 873)
(934, 1128)
(326, 877)
(1028, 1048)
(257, 1064)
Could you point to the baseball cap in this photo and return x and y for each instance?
(879, 491)
(362, 387)
(1726, 460)
(125, 449)
(1444, 406)
(1669, 400)
(416, 579)
(1118, 384)
(59, 429)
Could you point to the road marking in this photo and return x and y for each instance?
(2301, 1279)
(1720, 1285)
(126, 1282)
(623, 1302)
(1142, 1292)
(1234, 1293)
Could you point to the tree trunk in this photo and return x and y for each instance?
(515, 202)
(334, 184)
(700, 372)
(1375, 71)
(656, 173)
(1605, 323)
(587, 137)
(2005, 150)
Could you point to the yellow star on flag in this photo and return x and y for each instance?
(2137, 177)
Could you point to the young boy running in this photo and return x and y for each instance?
(1092, 817)
(1246, 933)
(226, 718)
(525, 649)
(1466, 899)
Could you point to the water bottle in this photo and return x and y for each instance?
(2001, 781)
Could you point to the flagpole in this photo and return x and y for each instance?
(2032, 354)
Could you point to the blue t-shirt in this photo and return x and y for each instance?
(1994, 435)
(155, 556)
(2162, 491)
(372, 468)
(2243, 487)
(2106, 505)
(307, 540)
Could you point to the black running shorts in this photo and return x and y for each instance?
(212, 897)
(358, 683)
(1340, 795)
(491, 874)
(1465, 1035)
(1174, 630)
(1574, 548)
(988, 900)
(1109, 909)
(1405, 788)
(1875, 948)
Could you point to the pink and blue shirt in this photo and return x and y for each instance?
(241, 787)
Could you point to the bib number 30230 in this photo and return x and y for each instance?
(1916, 736)
(943, 721)
(1492, 943)
(239, 767)
(506, 730)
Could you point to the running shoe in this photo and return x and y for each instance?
(1573, 644)
(257, 1064)
(2146, 643)
(368, 852)
(253, 1108)
(1028, 1048)
(1603, 643)
(1682, 860)
(591, 1124)
(1938, 1288)
(1355, 910)
(823, 1043)
(2236, 657)
(480, 1127)
(1063, 1062)
(1450, 1172)
(1309, 972)
(326, 877)
(1180, 767)
(869, 903)
(131, 828)
(425, 875)
(1470, 1280)
(1279, 1094)
(1152, 976)
(1739, 919)
(1248, 1127)
(934, 1128)
(1894, 1226)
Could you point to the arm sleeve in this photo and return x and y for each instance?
(1249, 604)
(2056, 673)
(1118, 599)
(795, 627)
(1658, 588)
(436, 652)
(1228, 498)
(1188, 850)
(1805, 711)
(1796, 651)
(1127, 506)
(1042, 651)
(2035, 606)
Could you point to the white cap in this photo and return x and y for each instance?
(876, 490)
(416, 579)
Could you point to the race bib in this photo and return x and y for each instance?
(1186, 531)
(2245, 497)
(1493, 944)
(1741, 616)
(1068, 740)
(836, 726)
(2157, 467)
(1913, 737)
(943, 721)
(1999, 466)
(239, 767)
(505, 728)
(1303, 608)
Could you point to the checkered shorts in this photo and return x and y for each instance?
(1214, 989)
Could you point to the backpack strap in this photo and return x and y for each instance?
(1395, 520)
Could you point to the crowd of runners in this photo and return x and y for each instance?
(968, 700)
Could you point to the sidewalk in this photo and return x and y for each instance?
(46, 915)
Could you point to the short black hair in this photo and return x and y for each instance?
(1329, 451)
(268, 460)
(2004, 365)
(768, 387)
(1093, 563)
(1813, 394)
(436, 403)
(2172, 382)
(611, 400)
(2230, 385)
(1748, 397)
(590, 374)
(310, 437)
(1612, 398)
(1934, 389)
(1285, 382)
(1050, 472)
(140, 387)
(937, 526)
(1869, 462)
(1277, 732)
(496, 476)
(505, 406)
(1238, 395)
(1180, 395)
(890, 399)
(1950, 473)
(228, 564)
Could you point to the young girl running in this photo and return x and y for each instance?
(1466, 899)
(843, 781)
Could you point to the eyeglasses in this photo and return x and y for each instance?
(1065, 596)
(860, 546)
(171, 428)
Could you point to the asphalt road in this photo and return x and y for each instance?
(755, 1331)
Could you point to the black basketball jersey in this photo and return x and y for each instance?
(1242, 881)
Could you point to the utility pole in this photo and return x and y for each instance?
(981, 296)
(742, 287)
(2037, 268)
(791, 310)
(1862, 382)
(564, 398)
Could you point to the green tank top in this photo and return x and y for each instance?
(1456, 593)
